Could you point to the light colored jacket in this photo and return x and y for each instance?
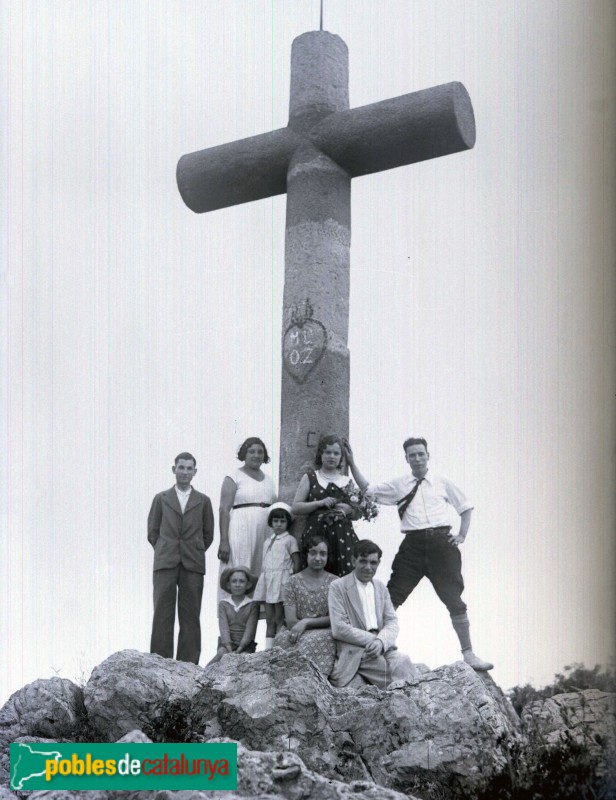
(349, 626)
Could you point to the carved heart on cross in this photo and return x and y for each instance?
(303, 346)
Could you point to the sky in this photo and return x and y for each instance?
(481, 312)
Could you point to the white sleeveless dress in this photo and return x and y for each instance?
(248, 526)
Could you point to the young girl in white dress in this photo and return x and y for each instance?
(280, 560)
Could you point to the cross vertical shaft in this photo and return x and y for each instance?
(315, 375)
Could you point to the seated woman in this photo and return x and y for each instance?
(306, 610)
(321, 496)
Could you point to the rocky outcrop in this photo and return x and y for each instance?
(448, 731)
(132, 690)
(267, 774)
(586, 718)
(444, 726)
(449, 725)
(50, 708)
(45, 710)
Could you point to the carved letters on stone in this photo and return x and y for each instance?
(303, 343)
(303, 347)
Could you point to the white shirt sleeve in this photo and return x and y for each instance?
(388, 493)
(456, 497)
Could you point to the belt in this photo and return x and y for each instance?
(252, 505)
(431, 531)
(373, 630)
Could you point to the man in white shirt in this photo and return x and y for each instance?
(365, 626)
(429, 548)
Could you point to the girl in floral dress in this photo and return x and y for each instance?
(320, 495)
(306, 609)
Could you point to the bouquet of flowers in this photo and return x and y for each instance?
(363, 507)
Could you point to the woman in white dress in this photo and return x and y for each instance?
(246, 494)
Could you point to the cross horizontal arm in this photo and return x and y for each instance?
(413, 127)
(237, 172)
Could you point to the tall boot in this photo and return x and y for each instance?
(461, 626)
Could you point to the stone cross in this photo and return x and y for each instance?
(313, 160)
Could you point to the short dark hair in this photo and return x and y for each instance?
(324, 441)
(279, 512)
(313, 541)
(365, 547)
(415, 440)
(185, 457)
(241, 453)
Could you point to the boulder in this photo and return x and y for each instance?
(582, 716)
(445, 726)
(132, 690)
(51, 708)
(586, 718)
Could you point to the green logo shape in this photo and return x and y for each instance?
(52, 765)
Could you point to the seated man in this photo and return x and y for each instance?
(365, 626)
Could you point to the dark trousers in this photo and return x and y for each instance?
(428, 554)
(188, 587)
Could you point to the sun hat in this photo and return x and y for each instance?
(228, 571)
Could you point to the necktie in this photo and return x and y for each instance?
(406, 501)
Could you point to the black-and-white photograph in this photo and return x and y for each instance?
(309, 380)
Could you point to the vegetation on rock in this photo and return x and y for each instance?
(575, 678)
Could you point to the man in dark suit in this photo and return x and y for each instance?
(180, 529)
(365, 626)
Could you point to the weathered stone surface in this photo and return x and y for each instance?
(319, 78)
(264, 775)
(500, 698)
(403, 130)
(135, 737)
(587, 718)
(317, 260)
(447, 723)
(5, 794)
(448, 731)
(132, 690)
(444, 724)
(48, 708)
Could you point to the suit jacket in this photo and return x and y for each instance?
(180, 538)
(349, 626)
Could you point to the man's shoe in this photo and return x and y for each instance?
(475, 662)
